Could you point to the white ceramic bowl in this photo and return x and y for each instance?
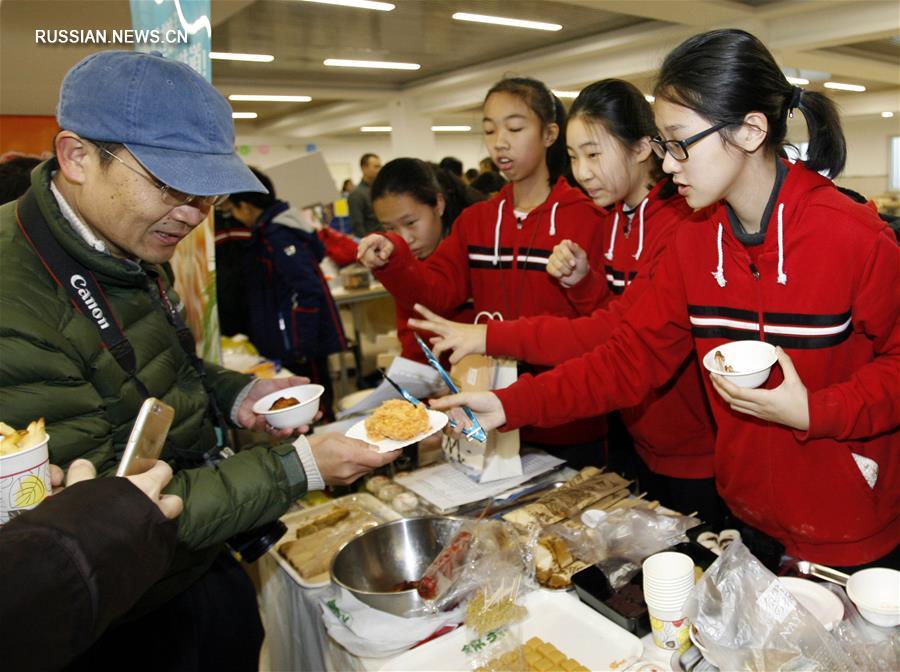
(292, 416)
(752, 361)
(876, 593)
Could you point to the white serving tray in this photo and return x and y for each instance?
(362, 500)
(558, 618)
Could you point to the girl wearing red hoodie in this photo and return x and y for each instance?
(419, 203)
(608, 136)
(777, 253)
(497, 252)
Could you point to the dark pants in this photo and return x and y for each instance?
(213, 625)
(685, 495)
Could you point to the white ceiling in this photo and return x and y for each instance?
(845, 40)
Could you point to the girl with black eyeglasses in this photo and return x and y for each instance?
(774, 253)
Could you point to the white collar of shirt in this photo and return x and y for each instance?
(80, 227)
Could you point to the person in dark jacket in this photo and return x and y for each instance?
(80, 560)
(292, 317)
(146, 151)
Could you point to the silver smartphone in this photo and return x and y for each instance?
(148, 436)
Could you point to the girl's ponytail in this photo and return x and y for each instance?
(827, 147)
(724, 74)
(557, 154)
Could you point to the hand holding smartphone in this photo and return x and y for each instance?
(148, 436)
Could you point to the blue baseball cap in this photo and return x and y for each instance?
(167, 115)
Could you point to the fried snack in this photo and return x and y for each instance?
(537, 656)
(397, 419)
(311, 554)
(283, 402)
(14, 441)
(720, 362)
(336, 515)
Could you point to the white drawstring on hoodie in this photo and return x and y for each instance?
(719, 273)
(497, 232)
(612, 238)
(637, 255)
(500, 220)
(782, 276)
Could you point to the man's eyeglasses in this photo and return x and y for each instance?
(169, 195)
(679, 148)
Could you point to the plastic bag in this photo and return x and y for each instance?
(366, 631)
(620, 542)
(494, 611)
(749, 621)
(495, 554)
(870, 647)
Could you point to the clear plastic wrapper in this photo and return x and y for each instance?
(494, 556)
(749, 621)
(869, 647)
(622, 540)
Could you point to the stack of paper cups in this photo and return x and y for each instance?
(668, 580)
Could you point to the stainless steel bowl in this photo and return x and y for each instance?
(373, 564)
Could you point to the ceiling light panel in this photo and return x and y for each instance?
(228, 56)
(506, 21)
(840, 86)
(375, 129)
(244, 115)
(253, 98)
(385, 65)
(451, 129)
(357, 4)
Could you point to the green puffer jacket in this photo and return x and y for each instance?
(53, 364)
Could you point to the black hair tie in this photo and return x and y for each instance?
(796, 96)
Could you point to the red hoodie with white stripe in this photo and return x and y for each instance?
(825, 287)
(501, 263)
(672, 427)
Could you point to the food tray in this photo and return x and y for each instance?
(558, 618)
(362, 500)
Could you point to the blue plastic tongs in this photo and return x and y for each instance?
(403, 393)
(476, 431)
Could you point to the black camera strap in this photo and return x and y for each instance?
(89, 299)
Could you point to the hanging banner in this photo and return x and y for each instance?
(188, 31)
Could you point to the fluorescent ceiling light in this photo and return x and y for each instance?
(798, 81)
(228, 56)
(844, 87)
(359, 4)
(375, 129)
(504, 21)
(887, 115)
(565, 94)
(244, 115)
(387, 65)
(649, 98)
(451, 129)
(253, 98)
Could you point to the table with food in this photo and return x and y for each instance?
(549, 569)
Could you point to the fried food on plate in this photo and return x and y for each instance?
(397, 419)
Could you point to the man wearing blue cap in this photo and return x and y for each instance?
(90, 328)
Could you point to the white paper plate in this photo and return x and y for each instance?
(436, 422)
(818, 600)
(558, 618)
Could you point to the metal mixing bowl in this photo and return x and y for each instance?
(374, 563)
